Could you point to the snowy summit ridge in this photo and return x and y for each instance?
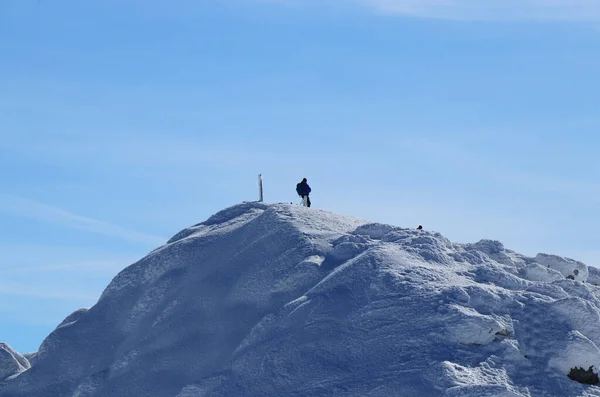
(281, 300)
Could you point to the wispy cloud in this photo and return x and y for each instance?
(485, 166)
(102, 267)
(21, 290)
(31, 209)
(558, 10)
(183, 155)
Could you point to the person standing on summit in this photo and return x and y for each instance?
(303, 191)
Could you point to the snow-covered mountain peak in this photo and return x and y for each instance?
(281, 300)
(11, 362)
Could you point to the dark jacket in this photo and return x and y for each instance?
(303, 189)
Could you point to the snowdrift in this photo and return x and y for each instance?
(281, 300)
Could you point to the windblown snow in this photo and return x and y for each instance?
(281, 300)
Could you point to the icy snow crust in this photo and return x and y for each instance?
(281, 300)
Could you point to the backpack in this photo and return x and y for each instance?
(299, 189)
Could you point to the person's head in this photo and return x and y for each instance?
(420, 227)
(304, 180)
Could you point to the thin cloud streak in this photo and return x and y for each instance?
(500, 10)
(493, 168)
(31, 209)
(103, 267)
(15, 289)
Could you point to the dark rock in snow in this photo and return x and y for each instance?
(582, 376)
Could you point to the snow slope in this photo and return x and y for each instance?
(11, 362)
(281, 300)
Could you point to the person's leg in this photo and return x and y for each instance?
(308, 201)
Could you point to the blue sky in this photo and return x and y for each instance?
(122, 122)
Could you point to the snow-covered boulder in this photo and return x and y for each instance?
(578, 351)
(567, 267)
(537, 272)
(493, 249)
(594, 276)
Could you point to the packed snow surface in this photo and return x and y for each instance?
(282, 300)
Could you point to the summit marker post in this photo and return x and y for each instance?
(260, 188)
